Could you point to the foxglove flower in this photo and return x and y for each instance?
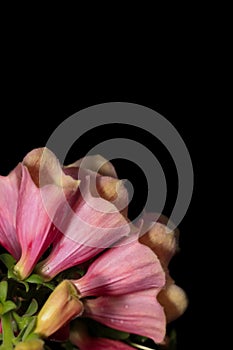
(126, 281)
(27, 211)
(33, 221)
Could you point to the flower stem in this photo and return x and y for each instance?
(7, 331)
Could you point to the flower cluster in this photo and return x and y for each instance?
(78, 271)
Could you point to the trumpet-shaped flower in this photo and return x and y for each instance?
(126, 281)
(33, 221)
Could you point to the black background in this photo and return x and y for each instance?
(39, 91)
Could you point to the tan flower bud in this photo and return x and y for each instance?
(162, 241)
(174, 301)
(36, 344)
(62, 305)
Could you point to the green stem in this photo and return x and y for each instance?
(7, 331)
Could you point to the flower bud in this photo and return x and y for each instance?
(36, 344)
(62, 305)
(174, 300)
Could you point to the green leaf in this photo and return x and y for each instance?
(8, 260)
(34, 278)
(11, 275)
(3, 291)
(30, 328)
(8, 306)
(49, 285)
(32, 308)
(22, 322)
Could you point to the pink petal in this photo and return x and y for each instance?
(9, 191)
(79, 336)
(102, 343)
(138, 313)
(36, 209)
(94, 225)
(120, 270)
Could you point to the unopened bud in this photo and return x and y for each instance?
(62, 305)
(174, 300)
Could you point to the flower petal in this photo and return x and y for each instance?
(94, 225)
(138, 313)
(100, 344)
(106, 187)
(79, 336)
(36, 210)
(9, 191)
(96, 163)
(120, 270)
(44, 168)
(160, 239)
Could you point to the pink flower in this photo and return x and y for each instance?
(127, 287)
(33, 221)
(40, 205)
(27, 210)
(126, 280)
